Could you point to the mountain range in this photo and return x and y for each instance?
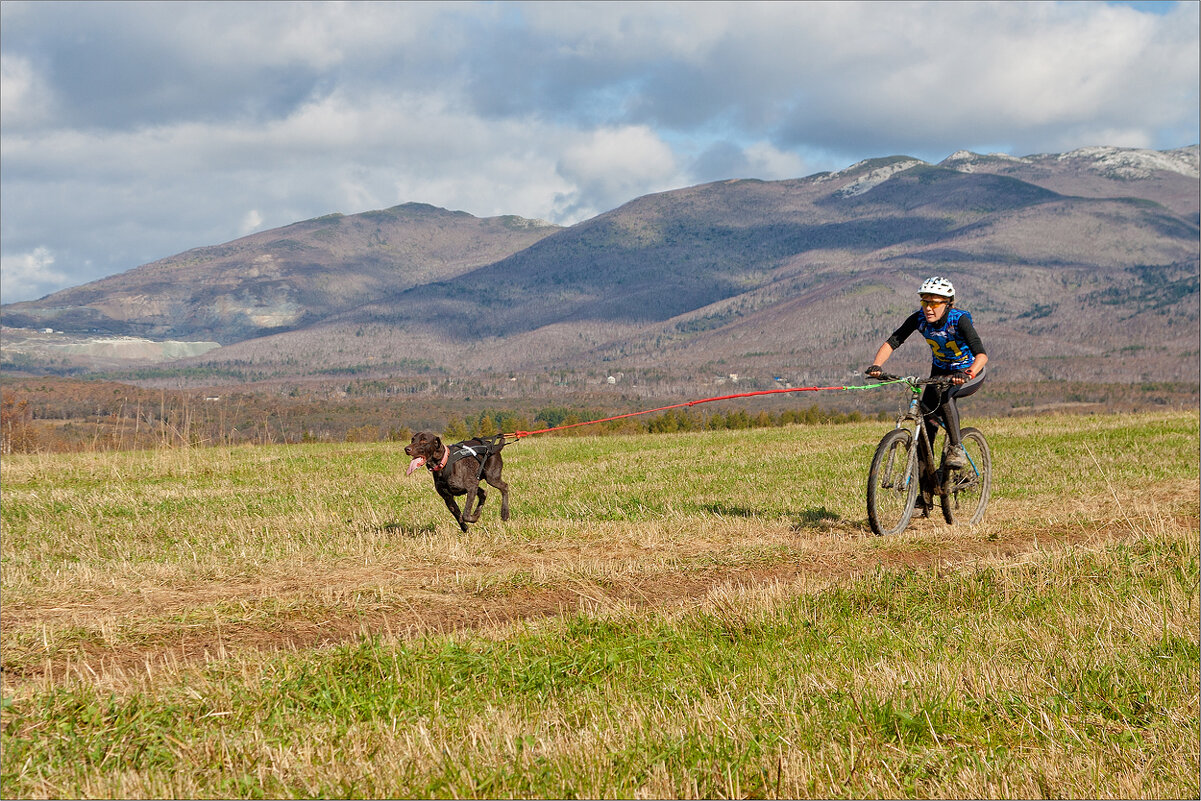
(1075, 266)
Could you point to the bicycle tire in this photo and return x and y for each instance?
(966, 491)
(892, 483)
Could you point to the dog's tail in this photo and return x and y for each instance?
(497, 441)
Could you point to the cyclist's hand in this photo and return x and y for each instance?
(873, 371)
(961, 377)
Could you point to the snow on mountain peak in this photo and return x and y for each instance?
(1122, 162)
(875, 177)
(966, 160)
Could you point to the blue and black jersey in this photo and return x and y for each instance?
(953, 340)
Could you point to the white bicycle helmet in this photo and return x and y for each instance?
(937, 285)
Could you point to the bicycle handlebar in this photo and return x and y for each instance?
(912, 380)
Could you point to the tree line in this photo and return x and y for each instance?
(47, 414)
(62, 423)
(671, 421)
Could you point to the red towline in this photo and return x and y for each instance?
(520, 434)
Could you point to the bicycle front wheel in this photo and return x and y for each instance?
(967, 490)
(892, 483)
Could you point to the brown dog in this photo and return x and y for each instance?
(457, 471)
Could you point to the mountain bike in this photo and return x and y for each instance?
(903, 471)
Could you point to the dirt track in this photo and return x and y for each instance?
(154, 629)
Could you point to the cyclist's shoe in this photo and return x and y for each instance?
(956, 458)
(921, 508)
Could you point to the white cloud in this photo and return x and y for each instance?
(613, 165)
(766, 161)
(251, 222)
(324, 36)
(945, 75)
(138, 195)
(259, 114)
(25, 98)
(29, 275)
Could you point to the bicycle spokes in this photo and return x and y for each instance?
(895, 475)
(968, 488)
(892, 483)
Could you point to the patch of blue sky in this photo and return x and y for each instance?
(1148, 6)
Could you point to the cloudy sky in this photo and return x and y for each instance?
(133, 131)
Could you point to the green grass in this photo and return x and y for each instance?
(695, 615)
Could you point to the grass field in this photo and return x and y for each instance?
(693, 615)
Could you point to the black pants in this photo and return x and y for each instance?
(948, 412)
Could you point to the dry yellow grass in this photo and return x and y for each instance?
(202, 583)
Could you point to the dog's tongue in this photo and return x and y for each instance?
(413, 465)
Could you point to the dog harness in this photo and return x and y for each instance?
(481, 449)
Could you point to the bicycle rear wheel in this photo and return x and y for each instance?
(968, 489)
(892, 483)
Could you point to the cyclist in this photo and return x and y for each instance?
(957, 352)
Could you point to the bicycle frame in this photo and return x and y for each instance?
(916, 418)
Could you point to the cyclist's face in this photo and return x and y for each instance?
(933, 307)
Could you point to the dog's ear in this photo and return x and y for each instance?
(437, 442)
